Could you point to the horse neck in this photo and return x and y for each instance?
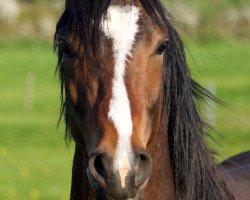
(161, 183)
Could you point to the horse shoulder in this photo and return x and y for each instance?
(236, 173)
(237, 161)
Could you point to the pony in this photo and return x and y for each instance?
(130, 105)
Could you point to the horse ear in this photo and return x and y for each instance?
(194, 170)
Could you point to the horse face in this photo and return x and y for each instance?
(118, 102)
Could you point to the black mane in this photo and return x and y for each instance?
(195, 173)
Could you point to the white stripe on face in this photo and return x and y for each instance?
(121, 26)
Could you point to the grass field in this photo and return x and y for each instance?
(34, 160)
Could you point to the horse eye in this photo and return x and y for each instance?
(161, 48)
(65, 49)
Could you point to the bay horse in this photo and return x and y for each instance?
(130, 105)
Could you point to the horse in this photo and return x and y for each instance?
(131, 107)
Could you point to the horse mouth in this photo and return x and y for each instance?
(121, 199)
(117, 198)
(104, 196)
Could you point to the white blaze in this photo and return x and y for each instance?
(121, 26)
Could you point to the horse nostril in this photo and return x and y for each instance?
(144, 168)
(143, 158)
(97, 169)
(99, 165)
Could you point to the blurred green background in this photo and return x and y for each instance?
(34, 160)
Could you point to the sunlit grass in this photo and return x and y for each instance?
(35, 163)
(226, 64)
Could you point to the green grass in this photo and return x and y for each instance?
(34, 161)
(226, 64)
(35, 164)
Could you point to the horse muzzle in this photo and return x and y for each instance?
(106, 181)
